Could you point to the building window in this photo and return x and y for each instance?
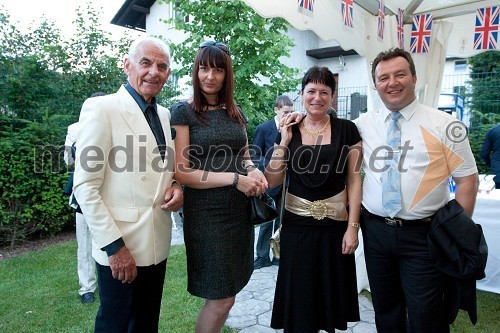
(174, 79)
(460, 65)
(459, 90)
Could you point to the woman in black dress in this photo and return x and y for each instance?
(214, 165)
(316, 286)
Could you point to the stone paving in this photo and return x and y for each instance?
(251, 312)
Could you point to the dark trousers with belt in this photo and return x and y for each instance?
(406, 288)
(266, 230)
(130, 307)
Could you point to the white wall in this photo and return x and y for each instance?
(303, 40)
(350, 69)
(154, 28)
(351, 74)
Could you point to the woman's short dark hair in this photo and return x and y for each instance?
(215, 57)
(321, 75)
(391, 54)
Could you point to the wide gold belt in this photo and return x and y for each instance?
(333, 207)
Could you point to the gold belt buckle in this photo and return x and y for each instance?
(318, 209)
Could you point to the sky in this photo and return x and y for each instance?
(61, 11)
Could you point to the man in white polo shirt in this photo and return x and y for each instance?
(409, 152)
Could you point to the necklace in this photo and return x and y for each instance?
(212, 105)
(318, 132)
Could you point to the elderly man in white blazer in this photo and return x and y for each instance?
(124, 184)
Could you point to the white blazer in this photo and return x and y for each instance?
(120, 179)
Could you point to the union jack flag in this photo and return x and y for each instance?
(347, 9)
(401, 28)
(486, 31)
(381, 19)
(420, 39)
(307, 4)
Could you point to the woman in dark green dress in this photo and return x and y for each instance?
(213, 164)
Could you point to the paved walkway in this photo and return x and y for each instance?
(251, 312)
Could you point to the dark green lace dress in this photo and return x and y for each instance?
(218, 236)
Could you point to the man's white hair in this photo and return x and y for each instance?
(158, 42)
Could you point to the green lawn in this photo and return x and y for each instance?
(488, 309)
(38, 294)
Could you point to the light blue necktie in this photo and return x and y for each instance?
(391, 181)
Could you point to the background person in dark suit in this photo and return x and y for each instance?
(490, 153)
(263, 142)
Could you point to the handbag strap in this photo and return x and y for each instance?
(283, 190)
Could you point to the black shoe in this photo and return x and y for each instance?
(275, 262)
(88, 298)
(261, 262)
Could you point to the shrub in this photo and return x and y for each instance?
(31, 182)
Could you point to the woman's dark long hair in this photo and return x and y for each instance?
(216, 58)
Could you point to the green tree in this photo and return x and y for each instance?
(257, 46)
(30, 66)
(95, 57)
(44, 79)
(485, 82)
(45, 74)
(484, 99)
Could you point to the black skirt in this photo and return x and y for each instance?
(316, 285)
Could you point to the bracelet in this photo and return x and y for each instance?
(250, 166)
(277, 153)
(236, 178)
(355, 225)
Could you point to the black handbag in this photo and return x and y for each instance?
(262, 209)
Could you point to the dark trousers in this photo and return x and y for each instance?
(130, 307)
(406, 288)
(266, 231)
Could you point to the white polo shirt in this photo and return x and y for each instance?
(434, 145)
